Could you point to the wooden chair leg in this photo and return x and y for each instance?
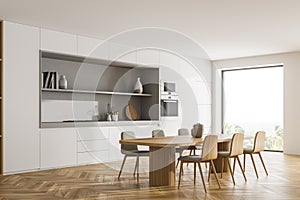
(214, 170)
(209, 171)
(244, 162)
(206, 165)
(228, 162)
(240, 164)
(180, 155)
(124, 159)
(180, 173)
(137, 169)
(200, 169)
(251, 156)
(194, 173)
(222, 166)
(263, 163)
(234, 161)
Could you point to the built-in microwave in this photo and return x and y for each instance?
(168, 87)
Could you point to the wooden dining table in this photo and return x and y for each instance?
(162, 155)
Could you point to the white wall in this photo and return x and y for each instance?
(291, 62)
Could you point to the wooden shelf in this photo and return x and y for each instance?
(96, 92)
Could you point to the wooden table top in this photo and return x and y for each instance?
(172, 141)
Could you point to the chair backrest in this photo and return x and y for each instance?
(197, 130)
(237, 144)
(259, 141)
(210, 148)
(125, 148)
(183, 131)
(158, 133)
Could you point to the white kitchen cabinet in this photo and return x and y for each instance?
(58, 147)
(123, 53)
(21, 102)
(148, 57)
(93, 145)
(93, 157)
(59, 42)
(92, 47)
(92, 133)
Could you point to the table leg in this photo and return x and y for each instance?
(162, 166)
(222, 146)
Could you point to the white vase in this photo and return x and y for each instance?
(63, 84)
(138, 87)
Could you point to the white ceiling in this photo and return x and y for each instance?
(224, 28)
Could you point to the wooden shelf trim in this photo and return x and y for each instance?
(96, 92)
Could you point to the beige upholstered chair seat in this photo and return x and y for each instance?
(223, 154)
(137, 152)
(248, 151)
(192, 158)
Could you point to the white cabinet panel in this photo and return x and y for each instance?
(148, 57)
(58, 147)
(60, 42)
(92, 133)
(92, 48)
(21, 102)
(171, 125)
(123, 53)
(201, 92)
(93, 157)
(92, 145)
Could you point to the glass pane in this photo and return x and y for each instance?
(253, 101)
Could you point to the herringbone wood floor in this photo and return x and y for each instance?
(100, 182)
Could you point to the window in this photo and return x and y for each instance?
(252, 101)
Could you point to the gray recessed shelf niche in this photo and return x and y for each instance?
(92, 85)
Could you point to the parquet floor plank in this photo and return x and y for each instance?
(100, 181)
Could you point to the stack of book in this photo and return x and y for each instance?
(50, 80)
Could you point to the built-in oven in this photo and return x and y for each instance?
(169, 99)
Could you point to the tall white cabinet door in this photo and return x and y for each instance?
(122, 53)
(60, 42)
(58, 147)
(92, 47)
(21, 102)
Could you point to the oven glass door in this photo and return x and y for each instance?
(169, 108)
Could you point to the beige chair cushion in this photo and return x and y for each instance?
(248, 151)
(223, 154)
(158, 133)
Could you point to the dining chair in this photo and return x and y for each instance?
(209, 153)
(131, 151)
(258, 146)
(236, 149)
(180, 150)
(158, 133)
